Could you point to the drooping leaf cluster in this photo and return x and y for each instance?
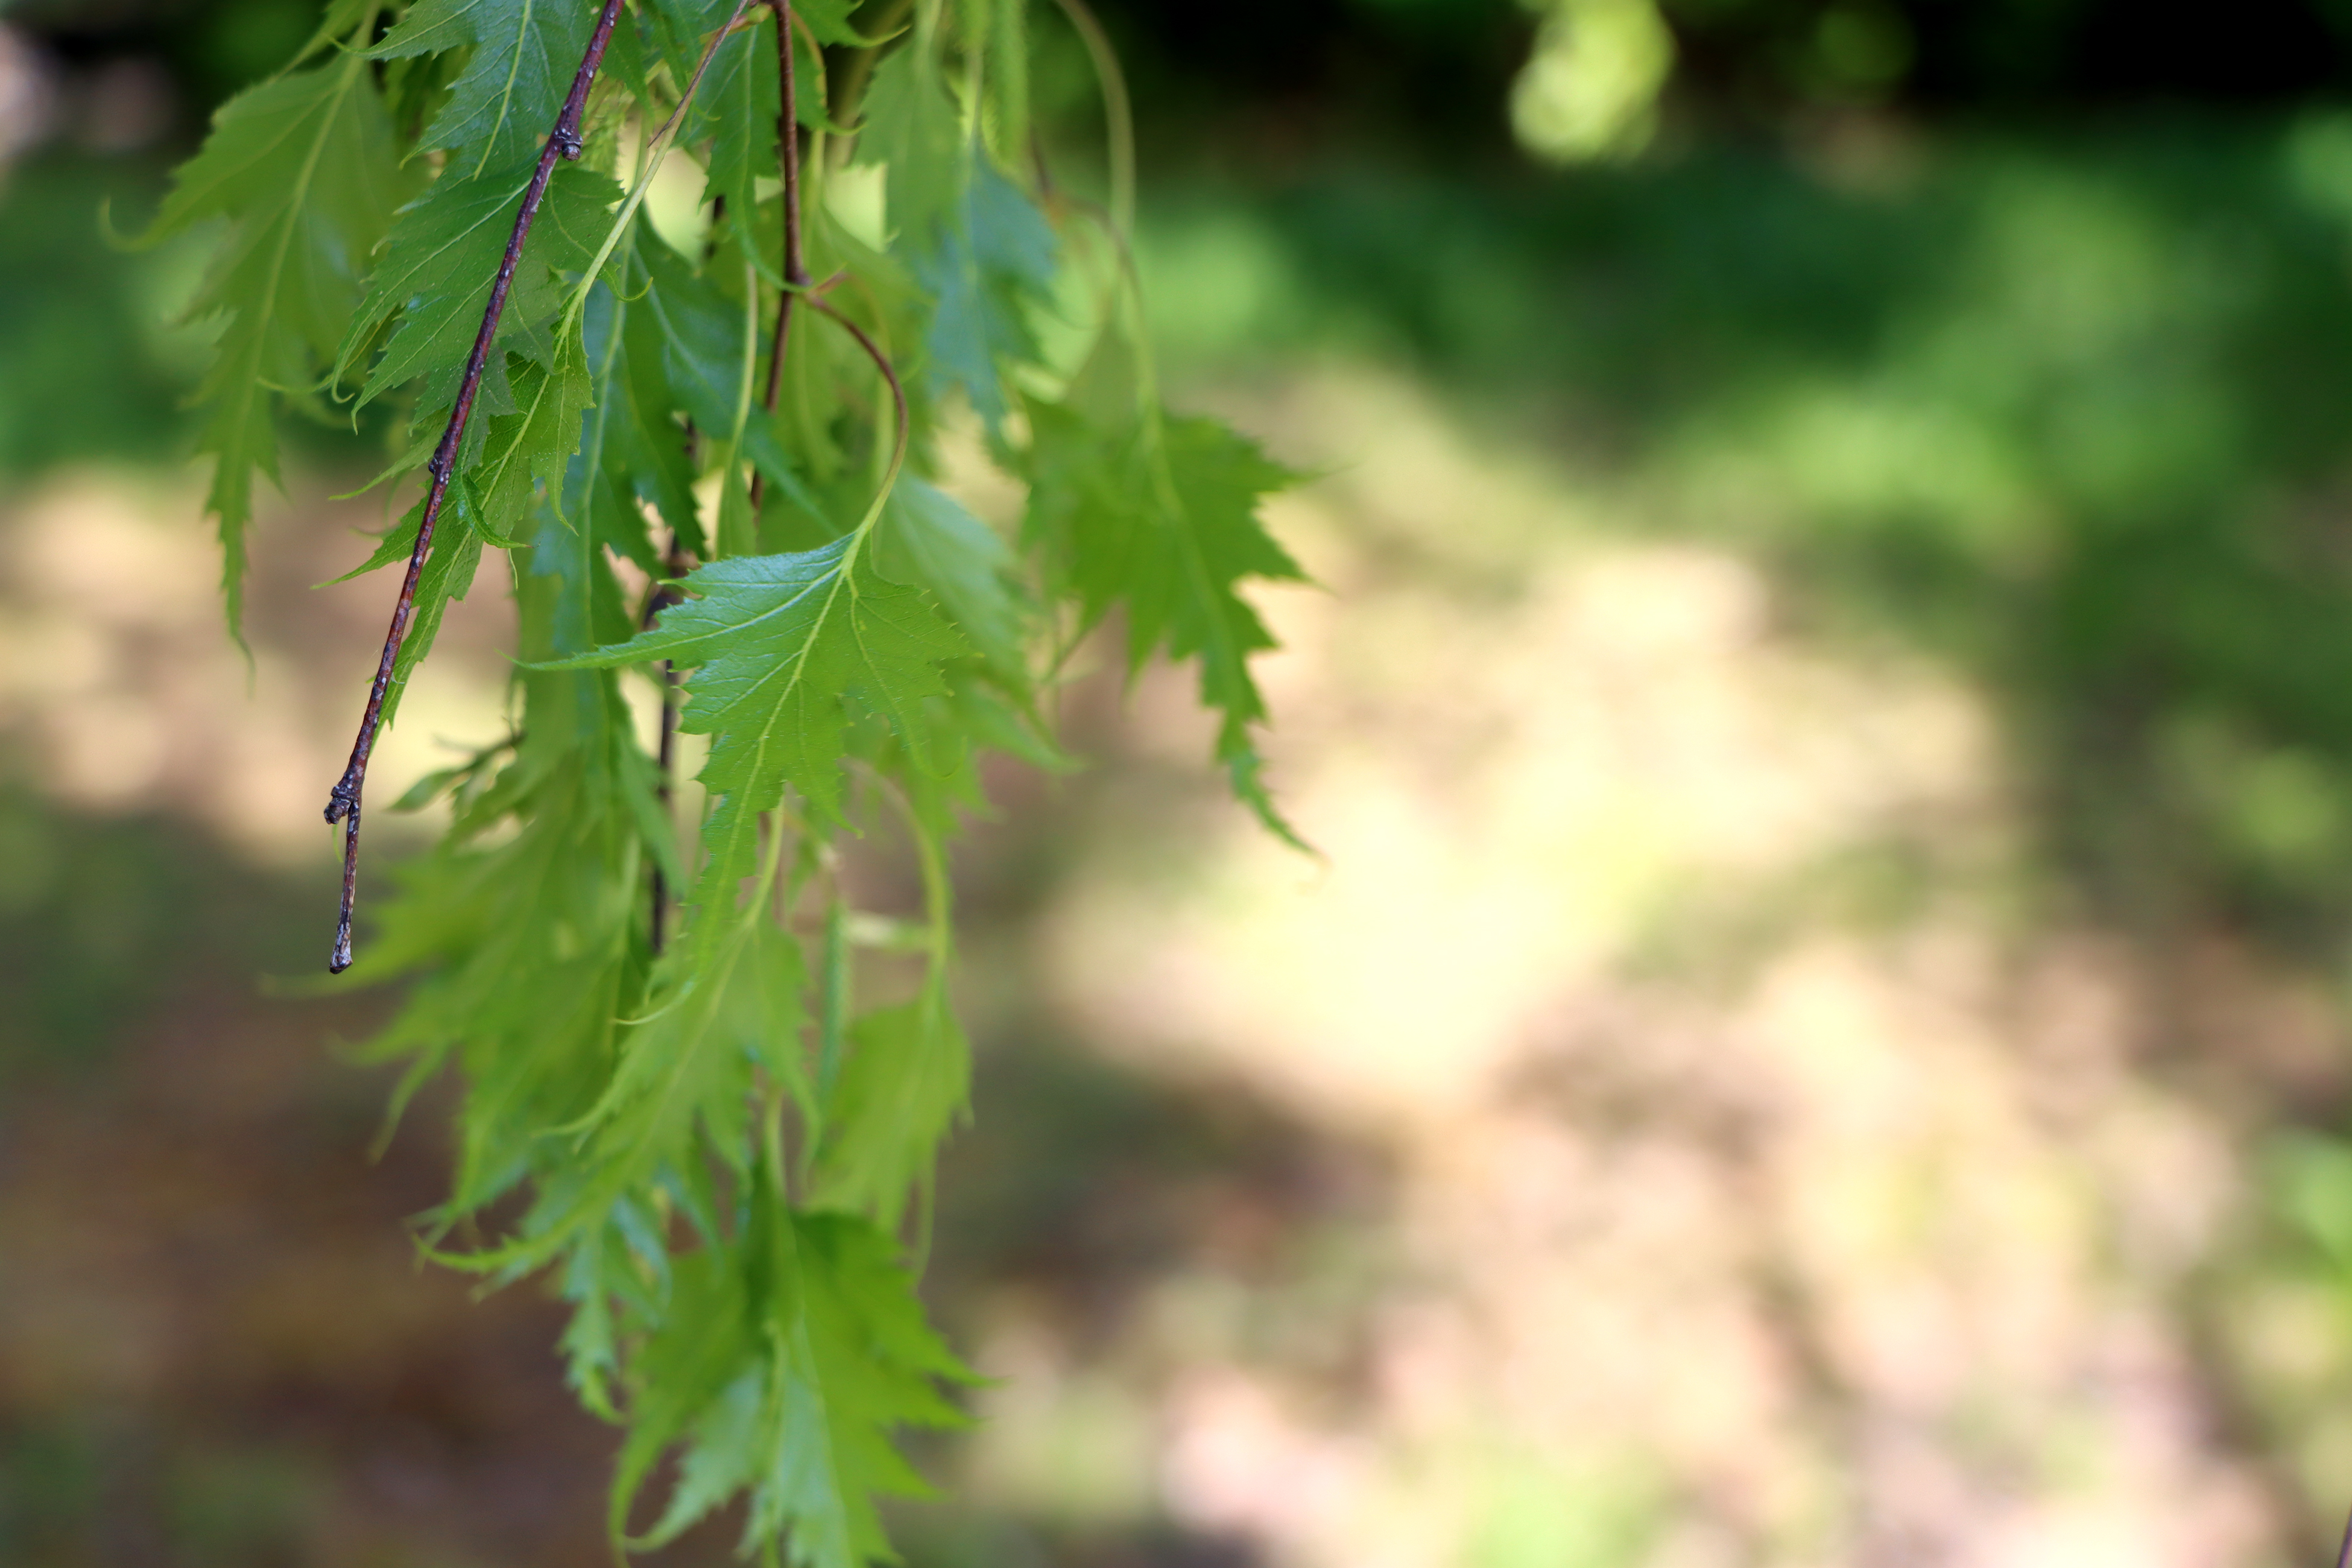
(701, 1093)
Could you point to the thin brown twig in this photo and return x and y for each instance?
(343, 800)
(788, 155)
(817, 302)
(788, 148)
(660, 595)
(2344, 1553)
(660, 599)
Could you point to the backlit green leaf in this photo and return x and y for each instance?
(525, 53)
(1162, 521)
(305, 171)
(904, 1084)
(441, 259)
(991, 263)
(789, 649)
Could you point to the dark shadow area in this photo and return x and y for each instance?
(217, 1345)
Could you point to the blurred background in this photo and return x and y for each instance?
(1822, 1035)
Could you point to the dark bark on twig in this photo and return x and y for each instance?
(663, 762)
(788, 145)
(662, 597)
(881, 363)
(659, 597)
(788, 155)
(343, 802)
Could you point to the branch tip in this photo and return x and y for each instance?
(344, 800)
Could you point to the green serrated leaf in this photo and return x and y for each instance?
(1162, 521)
(906, 1082)
(679, 1074)
(988, 265)
(720, 1458)
(526, 452)
(629, 450)
(304, 170)
(736, 113)
(525, 53)
(449, 564)
(800, 1410)
(829, 20)
(927, 539)
(789, 649)
(682, 27)
(632, 54)
(910, 127)
(853, 1362)
(526, 941)
(438, 264)
(766, 1010)
(705, 1343)
(710, 353)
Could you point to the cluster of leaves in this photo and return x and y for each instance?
(714, 1145)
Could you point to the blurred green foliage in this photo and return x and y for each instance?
(85, 367)
(2068, 413)
(209, 48)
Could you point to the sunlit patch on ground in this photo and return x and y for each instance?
(1771, 1180)
(119, 690)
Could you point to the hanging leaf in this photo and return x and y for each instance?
(523, 56)
(791, 649)
(905, 1082)
(991, 266)
(736, 114)
(706, 1137)
(1161, 521)
(929, 538)
(438, 265)
(306, 172)
(912, 129)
